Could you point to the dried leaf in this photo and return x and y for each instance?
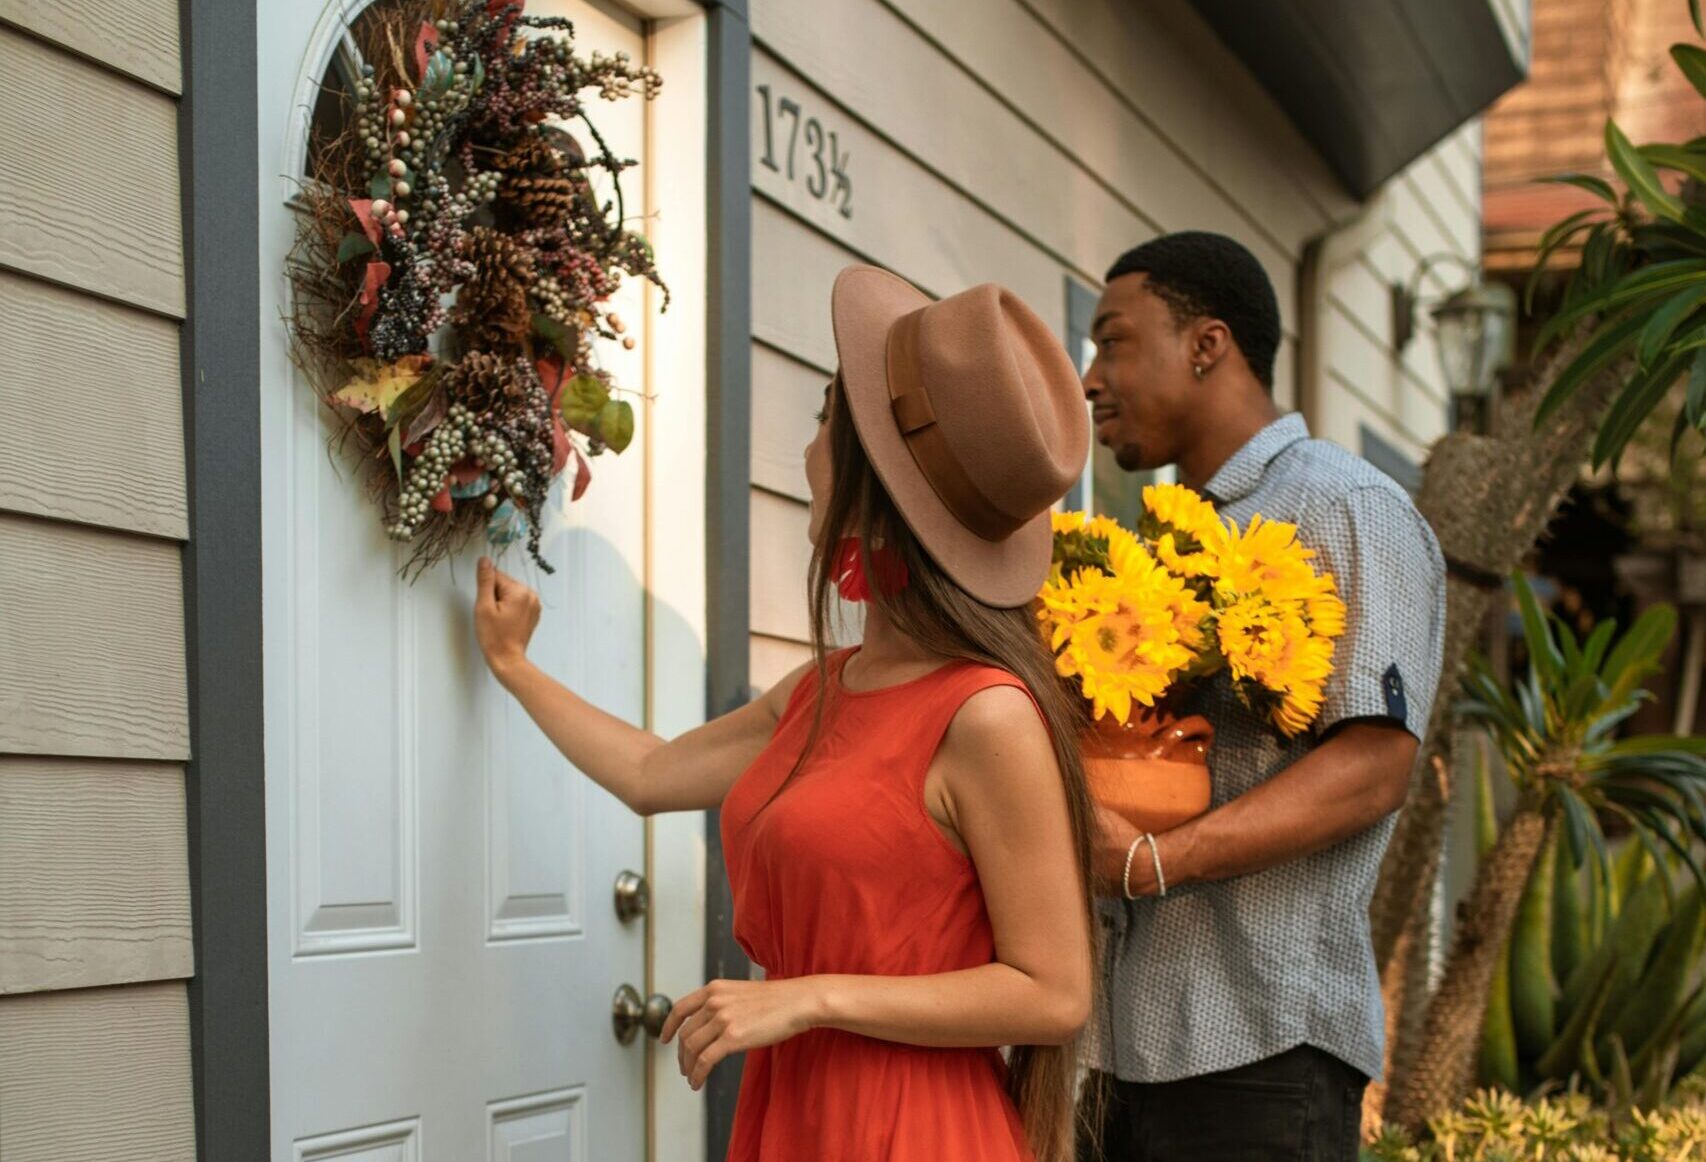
(421, 424)
(363, 210)
(559, 444)
(426, 43)
(583, 474)
(583, 400)
(374, 278)
(616, 424)
(394, 443)
(353, 246)
(441, 501)
(506, 525)
(377, 386)
(554, 333)
(439, 72)
(550, 369)
(380, 186)
(478, 486)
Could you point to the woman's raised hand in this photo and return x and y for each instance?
(506, 612)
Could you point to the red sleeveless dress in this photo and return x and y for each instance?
(846, 872)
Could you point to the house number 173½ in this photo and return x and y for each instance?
(822, 164)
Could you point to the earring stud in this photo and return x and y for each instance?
(1199, 369)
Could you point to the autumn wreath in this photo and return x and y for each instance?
(455, 264)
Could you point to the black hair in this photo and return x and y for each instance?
(1202, 275)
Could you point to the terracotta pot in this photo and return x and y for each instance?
(1152, 770)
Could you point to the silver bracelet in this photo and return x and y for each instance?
(1125, 880)
(1155, 854)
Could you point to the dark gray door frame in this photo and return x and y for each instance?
(225, 780)
(222, 557)
(729, 476)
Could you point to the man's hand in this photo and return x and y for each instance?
(1352, 781)
(1114, 837)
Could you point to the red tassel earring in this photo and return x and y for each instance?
(850, 576)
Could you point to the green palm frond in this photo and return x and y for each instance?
(1555, 728)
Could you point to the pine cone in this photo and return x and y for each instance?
(531, 153)
(491, 309)
(485, 383)
(541, 201)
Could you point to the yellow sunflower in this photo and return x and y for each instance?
(1270, 646)
(1266, 558)
(1184, 528)
(1125, 634)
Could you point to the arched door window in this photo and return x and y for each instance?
(362, 37)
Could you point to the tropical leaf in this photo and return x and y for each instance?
(1694, 404)
(1632, 406)
(1534, 989)
(1571, 930)
(1660, 241)
(1537, 632)
(1653, 282)
(1638, 174)
(1594, 185)
(1677, 157)
(1637, 653)
(1606, 345)
(1664, 322)
(1557, 237)
(1690, 58)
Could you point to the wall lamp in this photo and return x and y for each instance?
(1474, 331)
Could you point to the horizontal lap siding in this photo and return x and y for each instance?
(91, 421)
(89, 178)
(135, 37)
(94, 876)
(97, 1075)
(95, 1060)
(1435, 209)
(93, 663)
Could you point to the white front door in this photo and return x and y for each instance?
(444, 948)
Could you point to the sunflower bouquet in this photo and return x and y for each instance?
(1135, 616)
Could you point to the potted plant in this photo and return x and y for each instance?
(1136, 618)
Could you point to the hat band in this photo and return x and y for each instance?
(910, 402)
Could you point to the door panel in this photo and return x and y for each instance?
(443, 945)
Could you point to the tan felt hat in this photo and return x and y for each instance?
(973, 417)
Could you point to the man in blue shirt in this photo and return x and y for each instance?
(1241, 1013)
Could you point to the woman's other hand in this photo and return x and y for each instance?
(731, 1016)
(506, 612)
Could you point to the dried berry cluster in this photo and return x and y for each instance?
(457, 265)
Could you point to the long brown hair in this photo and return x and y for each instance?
(944, 619)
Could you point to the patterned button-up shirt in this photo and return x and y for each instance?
(1217, 975)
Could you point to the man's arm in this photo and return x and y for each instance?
(1375, 708)
(1340, 789)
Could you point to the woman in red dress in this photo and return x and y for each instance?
(905, 823)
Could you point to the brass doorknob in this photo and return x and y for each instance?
(629, 1014)
(633, 896)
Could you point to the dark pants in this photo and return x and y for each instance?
(1301, 1106)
